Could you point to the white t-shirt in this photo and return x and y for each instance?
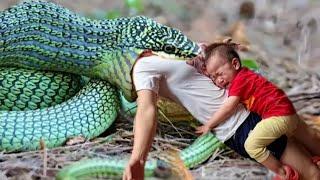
(182, 83)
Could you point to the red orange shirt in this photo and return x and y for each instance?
(260, 95)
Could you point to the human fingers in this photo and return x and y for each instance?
(199, 133)
(205, 131)
(127, 174)
(199, 130)
(198, 62)
(199, 127)
(203, 45)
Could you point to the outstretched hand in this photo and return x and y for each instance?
(134, 170)
(200, 130)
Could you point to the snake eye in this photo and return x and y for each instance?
(169, 48)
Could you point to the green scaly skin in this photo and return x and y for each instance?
(109, 167)
(22, 89)
(89, 113)
(44, 36)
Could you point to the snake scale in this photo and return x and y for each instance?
(44, 51)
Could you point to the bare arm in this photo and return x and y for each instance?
(223, 113)
(144, 123)
(144, 129)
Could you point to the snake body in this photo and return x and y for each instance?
(192, 156)
(22, 89)
(44, 36)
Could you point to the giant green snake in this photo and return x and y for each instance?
(43, 47)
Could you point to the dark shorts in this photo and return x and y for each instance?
(236, 142)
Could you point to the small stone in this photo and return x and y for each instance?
(313, 25)
(75, 140)
(247, 10)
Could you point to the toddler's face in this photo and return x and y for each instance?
(221, 71)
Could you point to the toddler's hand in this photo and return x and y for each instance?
(202, 130)
(198, 62)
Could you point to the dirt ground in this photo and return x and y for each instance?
(283, 37)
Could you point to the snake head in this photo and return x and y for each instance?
(175, 42)
(160, 38)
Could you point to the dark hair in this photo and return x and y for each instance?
(226, 50)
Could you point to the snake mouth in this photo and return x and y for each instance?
(194, 50)
(197, 50)
(191, 52)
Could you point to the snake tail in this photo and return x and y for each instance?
(192, 156)
(110, 167)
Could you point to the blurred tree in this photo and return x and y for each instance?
(134, 6)
(113, 14)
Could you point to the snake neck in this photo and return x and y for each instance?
(116, 67)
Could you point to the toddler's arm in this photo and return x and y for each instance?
(223, 113)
